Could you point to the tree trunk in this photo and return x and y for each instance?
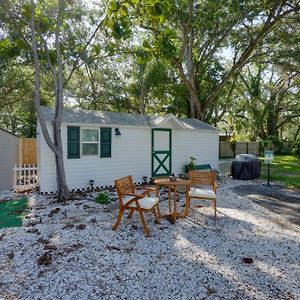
(54, 144)
(62, 188)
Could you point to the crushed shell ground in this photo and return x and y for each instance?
(74, 254)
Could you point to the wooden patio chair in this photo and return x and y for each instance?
(203, 187)
(130, 200)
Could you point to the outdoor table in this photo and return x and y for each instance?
(172, 185)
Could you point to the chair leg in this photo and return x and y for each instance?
(215, 207)
(156, 215)
(158, 211)
(130, 214)
(187, 206)
(146, 230)
(118, 219)
(169, 200)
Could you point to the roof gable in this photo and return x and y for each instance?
(170, 120)
(197, 124)
(8, 132)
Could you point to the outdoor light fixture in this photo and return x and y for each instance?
(117, 131)
(92, 183)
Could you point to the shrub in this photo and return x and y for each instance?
(190, 165)
(102, 198)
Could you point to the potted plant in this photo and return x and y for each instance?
(190, 165)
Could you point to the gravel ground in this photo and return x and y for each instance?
(248, 253)
(278, 199)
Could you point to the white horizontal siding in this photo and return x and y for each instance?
(201, 144)
(131, 154)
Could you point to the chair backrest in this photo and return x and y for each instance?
(124, 185)
(202, 177)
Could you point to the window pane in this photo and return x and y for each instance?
(90, 135)
(89, 149)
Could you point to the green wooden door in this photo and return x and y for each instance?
(161, 152)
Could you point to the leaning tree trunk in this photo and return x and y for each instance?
(62, 187)
(55, 144)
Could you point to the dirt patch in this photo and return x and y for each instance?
(278, 199)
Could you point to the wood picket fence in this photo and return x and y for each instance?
(224, 167)
(25, 177)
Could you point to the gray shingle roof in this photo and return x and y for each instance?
(76, 115)
(8, 132)
(196, 124)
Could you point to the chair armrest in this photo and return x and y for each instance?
(147, 190)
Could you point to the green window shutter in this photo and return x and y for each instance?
(105, 142)
(73, 136)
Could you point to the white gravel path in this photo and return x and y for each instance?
(196, 258)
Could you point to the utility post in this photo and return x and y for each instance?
(269, 156)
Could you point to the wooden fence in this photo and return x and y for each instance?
(25, 177)
(28, 151)
(225, 149)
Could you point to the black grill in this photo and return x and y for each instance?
(245, 167)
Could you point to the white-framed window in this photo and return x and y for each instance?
(90, 141)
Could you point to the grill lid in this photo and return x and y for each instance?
(246, 157)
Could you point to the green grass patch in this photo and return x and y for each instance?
(12, 212)
(285, 169)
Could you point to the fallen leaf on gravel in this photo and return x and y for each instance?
(72, 248)
(45, 259)
(11, 255)
(33, 230)
(43, 241)
(109, 247)
(93, 220)
(68, 226)
(2, 235)
(80, 226)
(248, 260)
(210, 291)
(54, 211)
(50, 247)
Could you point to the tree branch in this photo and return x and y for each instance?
(269, 24)
(75, 65)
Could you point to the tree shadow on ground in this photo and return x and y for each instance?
(284, 202)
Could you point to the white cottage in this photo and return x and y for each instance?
(103, 146)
